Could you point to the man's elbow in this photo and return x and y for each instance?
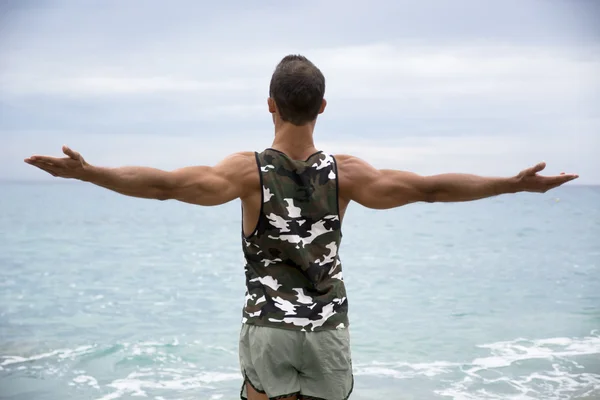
(429, 194)
(430, 191)
(162, 193)
(430, 198)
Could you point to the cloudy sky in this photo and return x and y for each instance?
(487, 87)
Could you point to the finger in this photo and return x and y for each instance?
(564, 178)
(538, 167)
(564, 173)
(560, 179)
(570, 176)
(71, 153)
(47, 169)
(45, 162)
(45, 159)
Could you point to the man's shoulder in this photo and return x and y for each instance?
(240, 163)
(242, 155)
(343, 159)
(350, 164)
(354, 174)
(240, 159)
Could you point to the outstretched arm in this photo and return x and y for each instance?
(202, 185)
(384, 188)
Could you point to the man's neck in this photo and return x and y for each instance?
(295, 141)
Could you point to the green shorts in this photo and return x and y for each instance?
(282, 363)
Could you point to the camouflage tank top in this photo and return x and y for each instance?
(293, 271)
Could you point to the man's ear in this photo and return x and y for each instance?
(323, 105)
(272, 105)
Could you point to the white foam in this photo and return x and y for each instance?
(60, 353)
(508, 352)
(559, 376)
(558, 383)
(223, 349)
(180, 381)
(86, 379)
(550, 369)
(403, 370)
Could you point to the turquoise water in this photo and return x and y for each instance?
(108, 297)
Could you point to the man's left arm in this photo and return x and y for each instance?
(385, 188)
(456, 187)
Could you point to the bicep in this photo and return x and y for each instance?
(384, 188)
(390, 188)
(209, 185)
(200, 185)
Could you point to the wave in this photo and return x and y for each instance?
(520, 369)
(523, 369)
(60, 354)
(179, 380)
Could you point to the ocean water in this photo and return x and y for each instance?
(107, 297)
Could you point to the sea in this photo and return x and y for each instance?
(106, 297)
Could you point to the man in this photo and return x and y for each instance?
(294, 342)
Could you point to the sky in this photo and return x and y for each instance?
(432, 86)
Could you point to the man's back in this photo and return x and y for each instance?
(293, 271)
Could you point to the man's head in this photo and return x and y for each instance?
(296, 91)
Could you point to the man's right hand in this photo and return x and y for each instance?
(73, 166)
(530, 181)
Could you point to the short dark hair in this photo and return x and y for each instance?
(297, 87)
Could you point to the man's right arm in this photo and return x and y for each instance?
(385, 188)
(201, 185)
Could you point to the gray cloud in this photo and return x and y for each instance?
(410, 76)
